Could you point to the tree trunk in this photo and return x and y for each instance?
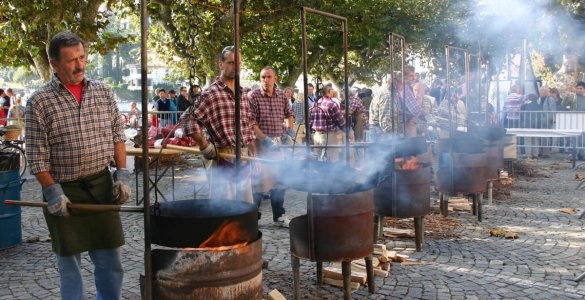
(42, 66)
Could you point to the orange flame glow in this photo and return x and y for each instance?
(410, 164)
(229, 235)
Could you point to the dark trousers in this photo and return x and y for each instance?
(276, 201)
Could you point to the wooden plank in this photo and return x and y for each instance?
(399, 232)
(339, 283)
(335, 273)
(275, 295)
(400, 258)
(377, 271)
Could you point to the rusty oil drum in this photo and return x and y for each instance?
(343, 226)
(412, 194)
(495, 158)
(203, 274)
(462, 172)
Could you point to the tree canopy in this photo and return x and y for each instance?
(190, 33)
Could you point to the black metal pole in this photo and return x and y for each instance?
(403, 68)
(310, 212)
(392, 89)
(237, 91)
(144, 130)
(346, 87)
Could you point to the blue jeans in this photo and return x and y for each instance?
(108, 274)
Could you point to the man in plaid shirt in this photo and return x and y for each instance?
(357, 111)
(74, 131)
(328, 123)
(270, 108)
(381, 118)
(216, 114)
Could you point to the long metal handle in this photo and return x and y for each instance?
(222, 155)
(87, 207)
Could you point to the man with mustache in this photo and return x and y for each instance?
(74, 132)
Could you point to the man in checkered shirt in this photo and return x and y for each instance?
(216, 115)
(270, 109)
(74, 131)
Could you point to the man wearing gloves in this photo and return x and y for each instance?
(270, 108)
(73, 133)
(216, 113)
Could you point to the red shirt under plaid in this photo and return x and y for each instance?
(217, 111)
(326, 116)
(269, 112)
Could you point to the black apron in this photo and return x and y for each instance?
(84, 230)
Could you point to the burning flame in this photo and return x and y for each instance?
(410, 164)
(229, 235)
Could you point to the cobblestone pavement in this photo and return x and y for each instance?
(540, 264)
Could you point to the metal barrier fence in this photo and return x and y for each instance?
(540, 131)
(155, 118)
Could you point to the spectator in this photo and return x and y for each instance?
(511, 109)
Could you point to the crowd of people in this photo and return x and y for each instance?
(11, 108)
(537, 111)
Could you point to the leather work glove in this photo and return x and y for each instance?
(57, 201)
(268, 143)
(209, 152)
(290, 132)
(121, 191)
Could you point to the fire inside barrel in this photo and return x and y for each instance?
(215, 250)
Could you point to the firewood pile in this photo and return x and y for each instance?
(436, 226)
(381, 261)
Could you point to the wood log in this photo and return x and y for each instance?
(392, 255)
(335, 273)
(401, 258)
(339, 283)
(362, 262)
(386, 266)
(398, 232)
(377, 271)
(276, 295)
(380, 250)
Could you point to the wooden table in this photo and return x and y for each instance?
(156, 154)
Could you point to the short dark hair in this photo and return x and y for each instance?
(172, 91)
(311, 85)
(61, 40)
(162, 90)
(225, 51)
(269, 68)
(1, 91)
(581, 84)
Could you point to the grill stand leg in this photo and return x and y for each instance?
(490, 190)
(319, 273)
(346, 272)
(378, 227)
(473, 205)
(580, 277)
(370, 273)
(296, 265)
(477, 206)
(444, 204)
(418, 232)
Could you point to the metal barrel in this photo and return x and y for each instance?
(10, 220)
